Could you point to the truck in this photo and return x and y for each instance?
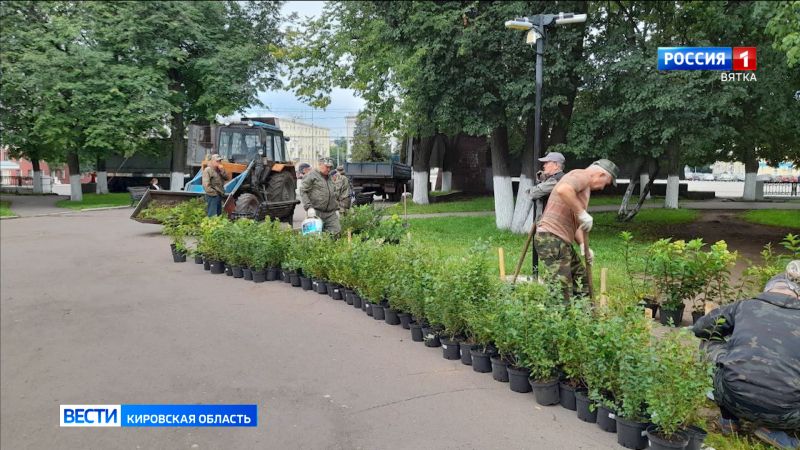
(261, 182)
(388, 179)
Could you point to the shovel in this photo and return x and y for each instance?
(589, 281)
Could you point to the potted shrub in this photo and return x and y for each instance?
(717, 265)
(210, 241)
(637, 366)
(679, 386)
(572, 335)
(538, 335)
(638, 270)
(679, 275)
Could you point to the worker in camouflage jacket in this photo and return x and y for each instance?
(343, 185)
(755, 345)
(320, 198)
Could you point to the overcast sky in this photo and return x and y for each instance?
(285, 104)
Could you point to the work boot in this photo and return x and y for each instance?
(778, 439)
(728, 426)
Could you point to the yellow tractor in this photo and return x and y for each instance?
(261, 182)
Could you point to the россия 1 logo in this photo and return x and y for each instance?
(740, 60)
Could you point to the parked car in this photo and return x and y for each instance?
(739, 177)
(725, 177)
(764, 177)
(691, 176)
(708, 177)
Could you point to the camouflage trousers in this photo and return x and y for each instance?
(561, 260)
(330, 221)
(753, 411)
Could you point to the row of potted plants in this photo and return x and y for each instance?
(600, 361)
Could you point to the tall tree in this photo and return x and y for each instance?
(214, 57)
(369, 142)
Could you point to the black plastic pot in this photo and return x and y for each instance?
(329, 289)
(198, 259)
(545, 391)
(696, 315)
(228, 270)
(518, 379)
(653, 307)
(606, 419)
(217, 267)
(431, 337)
(696, 437)
(480, 361)
(319, 287)
(405, 319)
(206, 264)
(272, 274)
(247, 274)
(631, 434)
(357, 303)
(306, 284)
(336, 293)
(391, 316)
(450, 349)
(237, 271)
(178, 256)
(499, 369)
(294, 279)
(286, 275)
(259, 276)
(416, 332)
(363, 303)
(659, 442)
(378, 312)
(348, 296)
(466, 352)
(368, 308)
(566, 395)
(676, 315)
(583, 407)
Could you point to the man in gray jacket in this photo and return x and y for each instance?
(548, 177)
(319, 195)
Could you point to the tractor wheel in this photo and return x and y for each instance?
(247, 204)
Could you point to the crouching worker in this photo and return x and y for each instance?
(320, 196)
(755, 344)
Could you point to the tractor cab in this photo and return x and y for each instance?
(242, 143)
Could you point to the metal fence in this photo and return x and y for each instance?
(16, 181)
(784, 189)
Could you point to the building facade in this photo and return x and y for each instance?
(307, 143)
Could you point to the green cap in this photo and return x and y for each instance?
(609, 167)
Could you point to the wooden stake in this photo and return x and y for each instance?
(588, 266)
(603, 280)
(502, 256)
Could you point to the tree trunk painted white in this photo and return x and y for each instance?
(750, 186)
(176, 181)
(673, 184)
(447, 181)
(421, 180)
(503, 201)
(522, 210)
(75, 193)
(643, 180)
(37, 181)
(102, 183)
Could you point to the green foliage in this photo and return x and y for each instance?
(370, 143)
(361, 219)
(717, 264)
(5, 209)
(678, 270)
(784, 26)
(390, 230)
(679, 384)
(774, 217)
(535, 328)
(755, 277)
(92, 200)
(572, 339)
(212, 231)
(180, 221)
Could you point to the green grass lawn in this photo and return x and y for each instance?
(778, 218)
(452, 236)
(616, 200)
(473, 204)
(97, 201)
(5, 209)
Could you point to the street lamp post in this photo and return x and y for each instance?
(535, 27)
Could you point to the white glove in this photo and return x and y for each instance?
(590, 258)
(586, 221)
(310, 212)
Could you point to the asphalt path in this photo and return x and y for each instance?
(93, 311)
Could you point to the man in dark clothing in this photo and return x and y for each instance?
(214, 185)
(756, 346)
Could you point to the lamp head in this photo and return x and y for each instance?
(520, 23)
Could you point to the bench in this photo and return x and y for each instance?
(137, 193)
